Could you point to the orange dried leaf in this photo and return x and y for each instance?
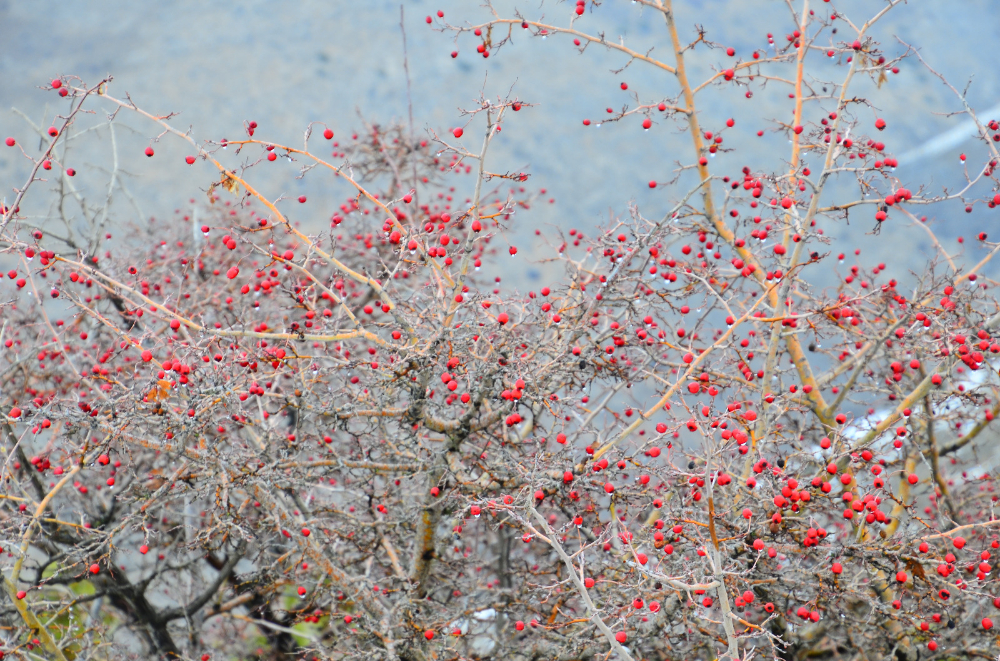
(160, 392)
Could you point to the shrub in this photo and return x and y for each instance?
(719, 433)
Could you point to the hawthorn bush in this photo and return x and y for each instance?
(719, 434)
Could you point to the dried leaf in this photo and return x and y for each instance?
(916, 568)
(155, 483)
(160, 392)
(229, 183)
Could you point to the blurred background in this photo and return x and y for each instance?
(285, 64)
